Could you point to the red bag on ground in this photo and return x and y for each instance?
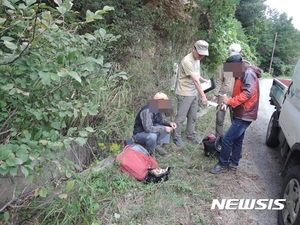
(135, 161)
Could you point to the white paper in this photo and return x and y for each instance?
(206, 85)
(212, 103)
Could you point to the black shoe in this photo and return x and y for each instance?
(218, 168)
(232, 168)
(195, 140)
(160, 150)
(178, 142)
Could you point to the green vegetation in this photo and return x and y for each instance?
(71, 71)
(109, 196)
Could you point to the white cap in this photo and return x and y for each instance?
(202, 47)
(234, 49)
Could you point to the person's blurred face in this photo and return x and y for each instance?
(160, 105)
(234, 69)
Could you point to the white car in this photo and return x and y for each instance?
(284, 133)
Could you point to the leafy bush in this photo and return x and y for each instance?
(53, 83)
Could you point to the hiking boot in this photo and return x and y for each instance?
(195, 140)
(178, 142)
(218, 168)
(160, 150)
(232, 168)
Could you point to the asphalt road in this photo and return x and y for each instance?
(258, 173)
(267, 161)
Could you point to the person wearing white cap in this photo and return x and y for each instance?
(244, 103)
(224, 86)
(187, 88)
(151, 128)
(225, 83)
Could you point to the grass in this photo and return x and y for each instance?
(111, 197)
(186, 197)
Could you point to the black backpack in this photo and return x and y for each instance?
(212, 147)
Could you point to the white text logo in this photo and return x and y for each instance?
(246, 204)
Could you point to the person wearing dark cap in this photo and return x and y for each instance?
(187, 88)
(151, 128)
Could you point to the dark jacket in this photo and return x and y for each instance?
(245, 97)
(149, 122)
(234, 58)
(224, 85)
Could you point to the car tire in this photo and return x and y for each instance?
(290, 214)
(273, 131)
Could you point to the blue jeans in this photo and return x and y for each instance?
(232, 142)
(149, 140)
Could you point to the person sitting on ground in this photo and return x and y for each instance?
(151, 128)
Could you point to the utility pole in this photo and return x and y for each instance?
(273, 52)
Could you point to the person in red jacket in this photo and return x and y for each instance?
(244, 103)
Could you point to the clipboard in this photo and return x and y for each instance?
(209, 85)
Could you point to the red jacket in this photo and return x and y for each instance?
(245, 96)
